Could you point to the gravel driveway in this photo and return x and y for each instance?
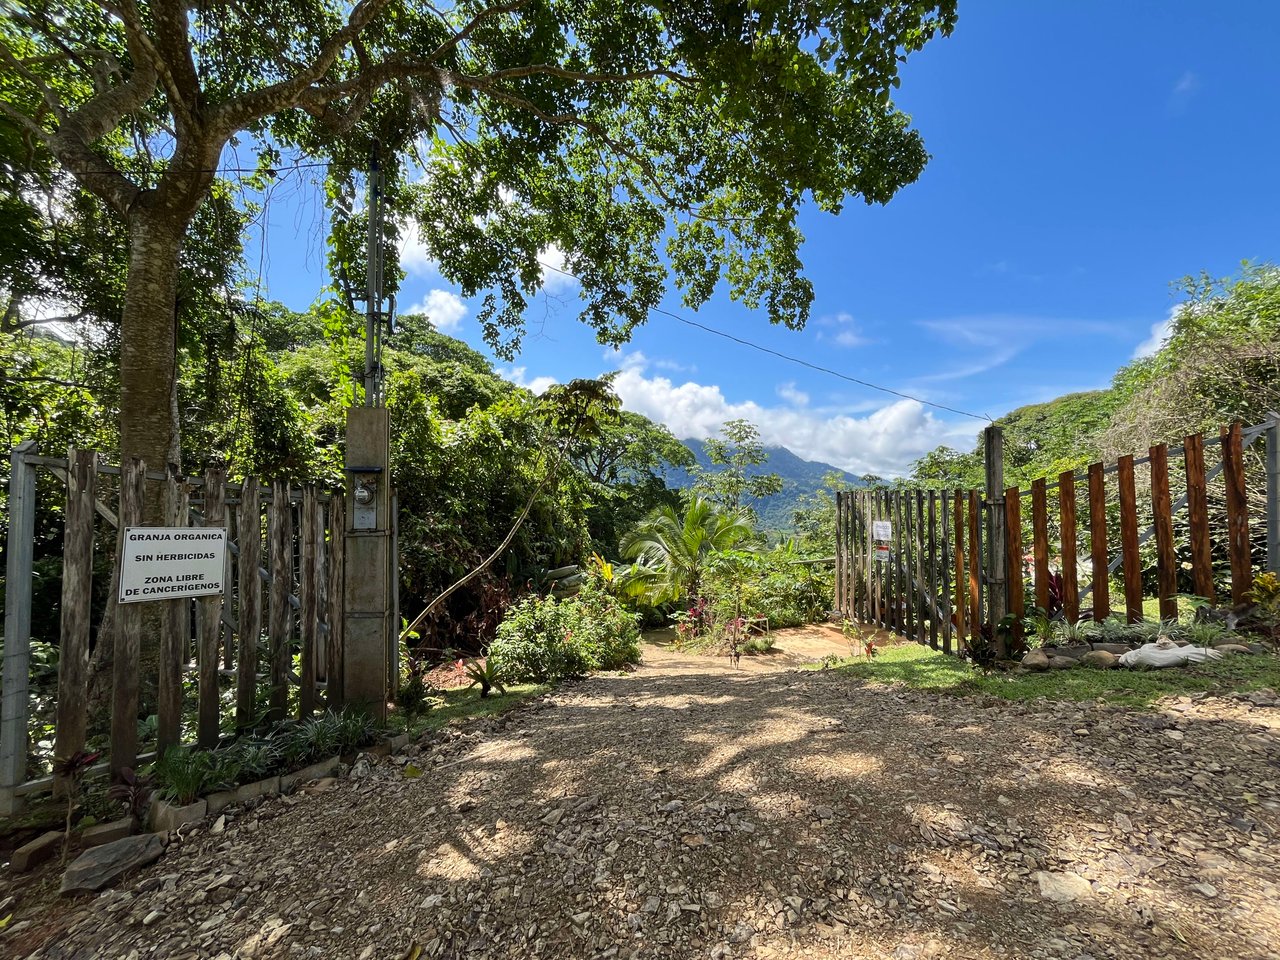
(693, 810)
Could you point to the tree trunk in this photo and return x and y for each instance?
(149, 427)
(148, 342)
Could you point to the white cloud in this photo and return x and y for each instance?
(413, 252)
(1160, 332)
(676, 366)
(554, 277)
(520, 377)
(794, 396)
(885, 441)
(444, 309)
(846, 332)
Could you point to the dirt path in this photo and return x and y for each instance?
(693, 810)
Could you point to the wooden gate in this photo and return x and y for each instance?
(284, 561)
(944, 567)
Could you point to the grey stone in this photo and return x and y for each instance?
(1232, 648)
(1100, 660)
(42, 848)
(1062, 887)
(107, 832)
(1061, 663)
(165, 816)
(1036, 660)
(102, 866)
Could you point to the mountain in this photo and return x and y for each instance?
(800, 478)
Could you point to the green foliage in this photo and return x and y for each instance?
(543, 639)
(730, 482)
(671, 549)
(184, 774)
(921, 668)
(486, 675)
(774, 586)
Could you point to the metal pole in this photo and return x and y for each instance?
(1273, 492)
(14, 703)
(373, 284)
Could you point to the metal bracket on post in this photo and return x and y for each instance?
(1273, 492)
(14, 701)
(997, 539)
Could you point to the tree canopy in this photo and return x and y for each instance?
(627, 134)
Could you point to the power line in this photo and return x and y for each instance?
(797, 360)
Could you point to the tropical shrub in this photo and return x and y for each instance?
(543, 639)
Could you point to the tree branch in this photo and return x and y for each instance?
(240, 111)
(489, 12)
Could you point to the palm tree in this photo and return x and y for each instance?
(670, 549)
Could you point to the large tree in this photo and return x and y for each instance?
(615, 131)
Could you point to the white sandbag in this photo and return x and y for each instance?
(1166, 653)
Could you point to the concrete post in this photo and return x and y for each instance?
(14, 704)
(369, 632)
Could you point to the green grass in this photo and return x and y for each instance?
(924, 669)
(466, 702)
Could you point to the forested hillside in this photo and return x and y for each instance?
(801, 480)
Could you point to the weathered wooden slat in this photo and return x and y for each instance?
(280, 626)
(975, 569)
(209, 703)
(851, 590)
(1040, 541)
(1198, 517)
(175, 636)
(960, 601)
(1067, 508)
(933, 568)
(128, 624)
(308, 615)
(899, 568)
(1101, 582)
(1237, 514)
(1131, 564)
(842, 556)
(77, 594)
(944, 569)
(919, 545)
(907, 540)
(1014, 554)
(1162, 519)
(337, 625)
(249, 588)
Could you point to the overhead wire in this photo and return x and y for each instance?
(796, 360)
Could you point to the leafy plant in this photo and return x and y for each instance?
(134, 792)
(543, 639)
(1206, 633)
(487, 674)
(1081, 631)
(1039, 624)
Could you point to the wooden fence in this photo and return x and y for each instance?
(284, 565)
(943, 567)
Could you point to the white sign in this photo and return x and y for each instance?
(881, 530)
(167, 563)
(882, 554)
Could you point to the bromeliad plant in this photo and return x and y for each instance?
(134, 793)
(488, 674)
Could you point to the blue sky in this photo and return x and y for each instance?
(1085, 155)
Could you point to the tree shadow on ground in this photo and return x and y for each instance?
(769, 814)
